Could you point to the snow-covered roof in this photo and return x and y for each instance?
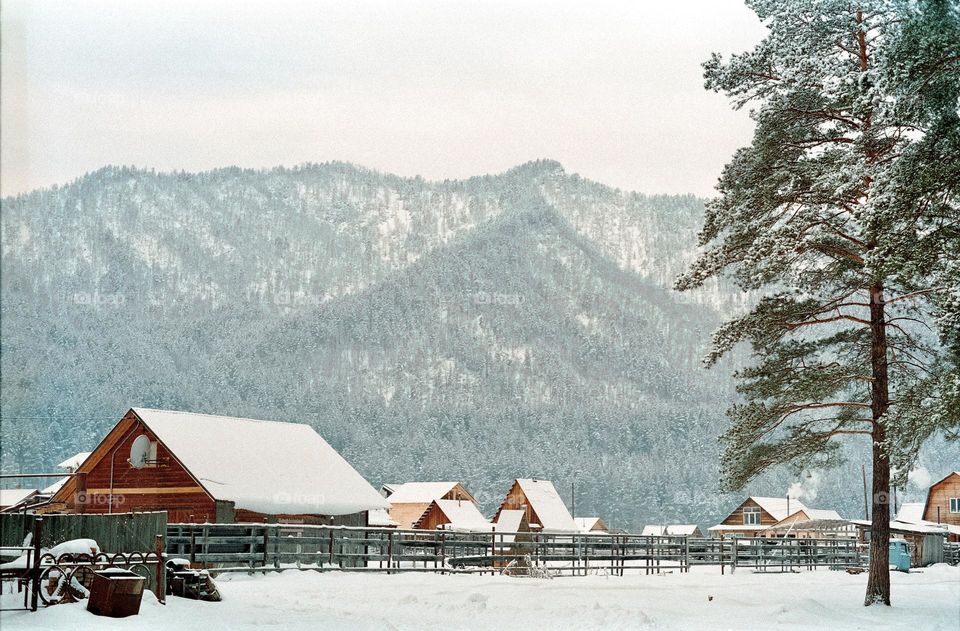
(546, 503)
(509, 521)
(53, 488)
(12, 497)
(587, 524)
(911, 512)
(814, 514)
(380, 517)
(720, 527)
(263, 466)
(779, 507)
(658, 530)
(926, 528)
(463, 515)
(73, 462)
(419, 492)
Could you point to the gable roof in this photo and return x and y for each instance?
(463, 514)
(546, 503)
(815, 514)
(778, 507)
(263, 466)
(419, 492)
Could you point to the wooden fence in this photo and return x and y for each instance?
(951, 552)
(237, 547)
(120, 532)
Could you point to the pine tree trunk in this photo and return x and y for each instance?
(878, 584)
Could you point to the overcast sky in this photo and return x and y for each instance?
(444, 89)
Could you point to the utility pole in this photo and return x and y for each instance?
(573, 497)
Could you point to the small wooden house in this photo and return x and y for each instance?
(461, 515)
(756, 514)
(545, 510)
(409, 501)
(943, 504)
(204, 468)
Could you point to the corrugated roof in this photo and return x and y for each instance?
(263, 466)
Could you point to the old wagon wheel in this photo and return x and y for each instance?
(59, 585)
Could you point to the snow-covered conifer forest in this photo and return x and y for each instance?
(501, 326)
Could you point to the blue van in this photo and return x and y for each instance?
(899, 555)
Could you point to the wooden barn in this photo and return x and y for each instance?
(545, 510)
(461, 515)
(943, 504)
(204, 468)
(755, 515)
(409, 501)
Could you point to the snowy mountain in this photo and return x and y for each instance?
(502, 326)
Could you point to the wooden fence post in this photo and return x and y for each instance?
(161, 572)
(266, 545)
(389, 552)
(721, 556)
(37, 568)
(193, 545)
(443, 548)
(330, 549)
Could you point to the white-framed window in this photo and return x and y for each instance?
(955, 504)
(751, 515)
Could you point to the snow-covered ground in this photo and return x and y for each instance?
(924, 600)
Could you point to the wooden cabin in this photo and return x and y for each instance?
(943, 504)
(409, 501)
(205, 468)
(545, 510)
(461, 515)
(755, 515)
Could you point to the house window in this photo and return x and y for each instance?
(955, 504)
(751, 516)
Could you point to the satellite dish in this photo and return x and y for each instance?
(140, 451)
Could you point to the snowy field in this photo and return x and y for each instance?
(925, 600)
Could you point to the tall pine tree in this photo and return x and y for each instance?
(843, 216)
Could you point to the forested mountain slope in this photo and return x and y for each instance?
(498, 327)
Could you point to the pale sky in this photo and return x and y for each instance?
(443, 89)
